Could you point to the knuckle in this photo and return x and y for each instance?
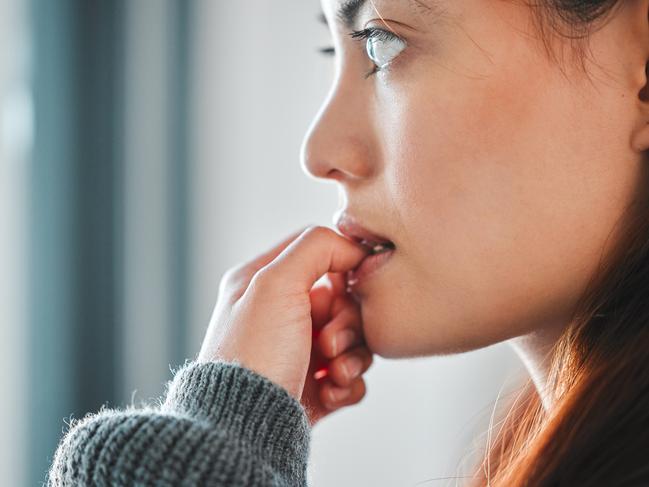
(324, 342)
(316, 232)
(263, 277)
(326, 398)
(329, 343)
(341, 371)
(234, 281)
(258, 280)
(232, 276)
(341, 378)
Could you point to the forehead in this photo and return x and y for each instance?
(347, 13)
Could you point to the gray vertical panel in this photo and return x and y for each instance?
(99, 154)
(74, 182)
(52, 375)
(81, 208)
(179, 126)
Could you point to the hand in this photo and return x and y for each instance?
(263, 315)
(335, 314)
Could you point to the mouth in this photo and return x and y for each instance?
(379, 246)
(373, 241)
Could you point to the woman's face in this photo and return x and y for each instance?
(498, 173)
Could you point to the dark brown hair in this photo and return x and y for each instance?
(597, 432)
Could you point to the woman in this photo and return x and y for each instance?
(492, 156)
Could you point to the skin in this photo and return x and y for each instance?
(485, 161)
(499, 173)
(274, 318)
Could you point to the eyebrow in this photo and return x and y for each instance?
(347, 13)
(349, 9)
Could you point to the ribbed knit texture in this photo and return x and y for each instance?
(220, 424)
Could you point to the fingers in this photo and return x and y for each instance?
(236, 279)
(321, 299)
(338, 282)
(336, 296)
(341, 333)
(342, 301)
(348, 366)
(333, 397)
(268, 256)
(341, 341)
(316, 251)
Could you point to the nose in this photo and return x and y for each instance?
(338, 144)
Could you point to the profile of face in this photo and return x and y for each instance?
(498, 172)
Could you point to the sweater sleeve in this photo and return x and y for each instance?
(220, 424)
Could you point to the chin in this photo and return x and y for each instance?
(386, 335)
(379, 337)
(392, 333)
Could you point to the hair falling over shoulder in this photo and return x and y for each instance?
(597, 432)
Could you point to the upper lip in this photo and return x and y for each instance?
(349, 226)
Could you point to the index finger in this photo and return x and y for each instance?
(338, 282)
(264, 259)
(316, 251)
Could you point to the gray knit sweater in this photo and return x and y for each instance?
(220, 424)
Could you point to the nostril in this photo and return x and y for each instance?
(335, 174)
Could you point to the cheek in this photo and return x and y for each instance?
(496, 189)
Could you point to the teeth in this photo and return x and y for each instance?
(380, 248)
(377, 248)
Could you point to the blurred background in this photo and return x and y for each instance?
(145, 147)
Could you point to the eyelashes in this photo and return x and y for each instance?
(381, 46)
(329, 51)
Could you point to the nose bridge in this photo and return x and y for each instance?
(338, 143)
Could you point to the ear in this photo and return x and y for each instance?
(640, 136)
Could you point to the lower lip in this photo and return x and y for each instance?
(368, 266)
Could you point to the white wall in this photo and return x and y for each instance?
(258, 83)
(15, 144)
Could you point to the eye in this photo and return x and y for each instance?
(382, 46)
(327, 51)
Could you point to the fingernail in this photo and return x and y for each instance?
(339, 393)
(353, 367)
(342, 340)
